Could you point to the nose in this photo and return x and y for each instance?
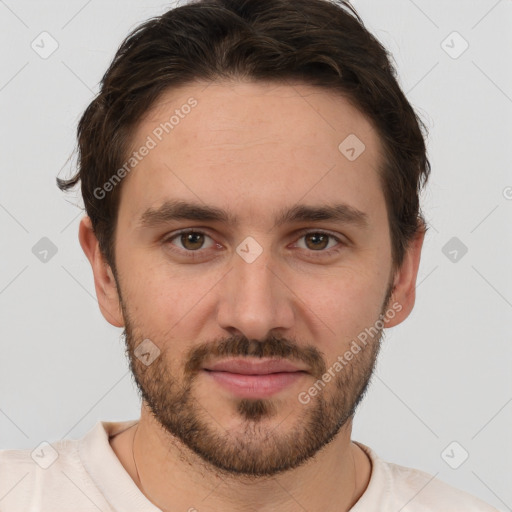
(255, 298)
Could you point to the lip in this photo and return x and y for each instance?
(254, 366)
(254, 378)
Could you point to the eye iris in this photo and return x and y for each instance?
(317, 237)
(192, 240)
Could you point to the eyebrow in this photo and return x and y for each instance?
(179, 210)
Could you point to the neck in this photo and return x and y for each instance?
(173, 477)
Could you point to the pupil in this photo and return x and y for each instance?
(317, 237)
(195, 239)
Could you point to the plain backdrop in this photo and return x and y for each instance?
(444, 375)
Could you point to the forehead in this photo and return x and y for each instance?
(251, 146)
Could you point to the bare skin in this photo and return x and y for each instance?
(253, 149)
(122, 446)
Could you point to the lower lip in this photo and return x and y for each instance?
(255, 386)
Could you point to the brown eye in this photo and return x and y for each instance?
(317, 241)
(191, 241)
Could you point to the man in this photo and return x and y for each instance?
(250, 171)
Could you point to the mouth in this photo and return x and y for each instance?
(254, 378)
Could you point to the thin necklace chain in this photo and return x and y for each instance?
(137, 469)
(133, 455)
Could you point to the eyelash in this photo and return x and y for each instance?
(197, 253)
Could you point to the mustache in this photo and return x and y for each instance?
(241, 346)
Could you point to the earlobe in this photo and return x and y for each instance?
(104, 281)
(404, 284)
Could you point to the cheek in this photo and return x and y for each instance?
(346, 303)
(161, 297)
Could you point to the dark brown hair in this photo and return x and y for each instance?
(317, 42)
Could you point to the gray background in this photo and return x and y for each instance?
(443, 376)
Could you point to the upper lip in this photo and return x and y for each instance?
(253, 366)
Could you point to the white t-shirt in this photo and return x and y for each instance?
(85, 475)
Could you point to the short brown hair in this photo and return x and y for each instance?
(317, 42)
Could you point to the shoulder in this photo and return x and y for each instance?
(50, 476)
(430, 493)
(413, 490)
(16, 480)
(26, 474)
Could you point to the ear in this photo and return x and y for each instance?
(104, 282)
(404, 283)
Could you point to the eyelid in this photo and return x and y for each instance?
(306, 231)
(297, 235)
(202, 231)
(341, 242)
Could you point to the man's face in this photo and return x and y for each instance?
(261, 286)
